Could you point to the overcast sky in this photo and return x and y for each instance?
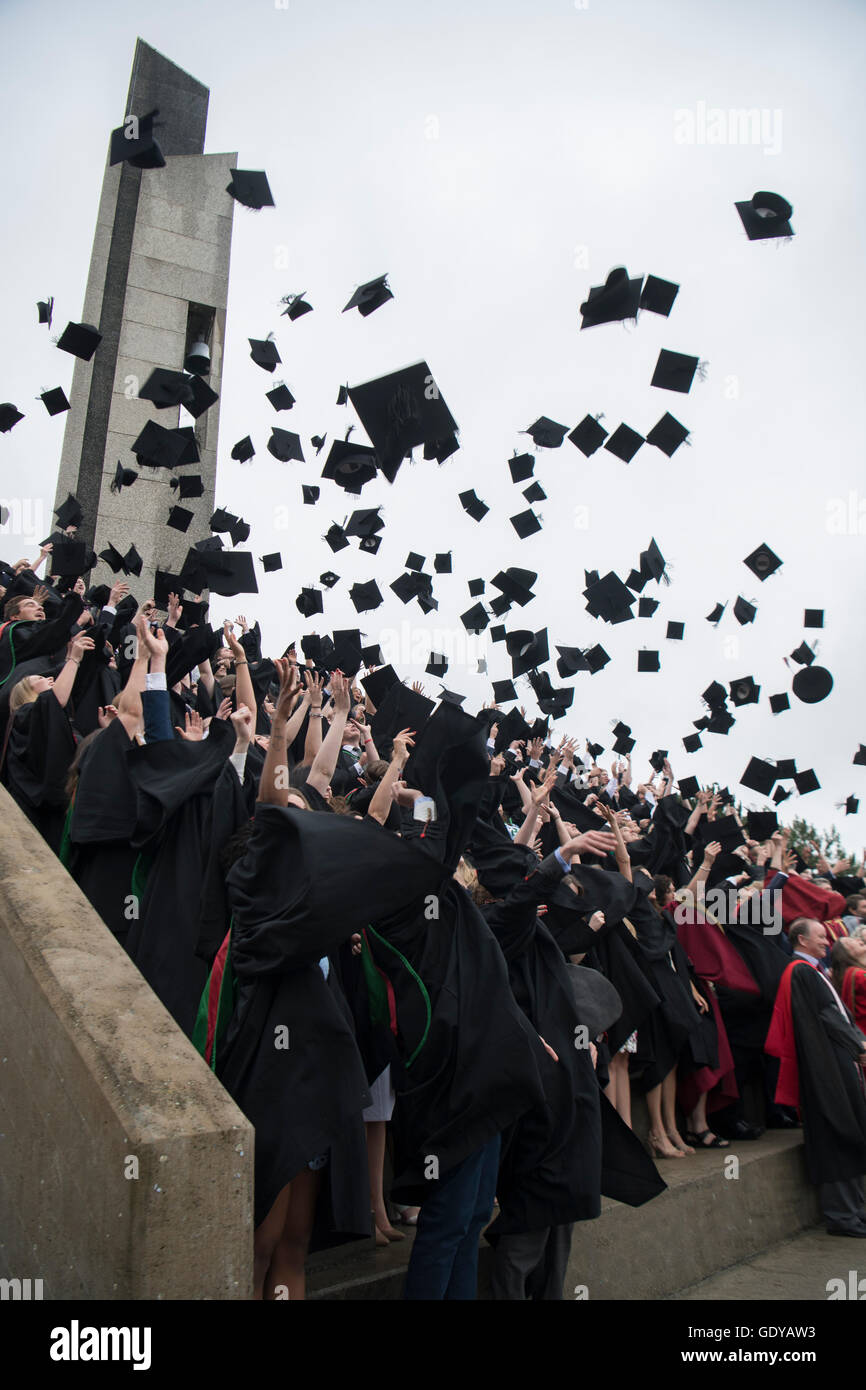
(496, 160)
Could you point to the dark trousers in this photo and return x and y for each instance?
(842, 1204)
(531, 1265)
(444, 1259)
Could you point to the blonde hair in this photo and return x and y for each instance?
(23, 693)
(467, 877)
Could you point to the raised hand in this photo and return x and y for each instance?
(402, 743)
(243, 724)
(105, 714)
(712, 852)
(225, 709)
(289, 686)
(194, 730)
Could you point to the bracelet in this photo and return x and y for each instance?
(368, 740)
(72, 658)
(241, 663)
(316, 714)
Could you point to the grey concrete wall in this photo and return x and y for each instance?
(93, 1074)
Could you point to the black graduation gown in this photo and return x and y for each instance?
(674, 1029)
(102, 825)
(231, 806)
(39, 752)
(832, 1086)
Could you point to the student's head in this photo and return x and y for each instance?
(26, 609)
(25, 691)
(855, 906)
(808, 935)
(847, 951)
(663, 890)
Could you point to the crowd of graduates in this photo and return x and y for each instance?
(431, 954)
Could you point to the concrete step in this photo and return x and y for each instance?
(798, 1270)
(715, 1215)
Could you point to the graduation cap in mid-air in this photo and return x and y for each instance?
(223, 572)
(667, 435)
(608, 598)
(617, 299)
(70, 558)
(692, 742)
(318, 442)
(45, 310)
(779, 703)
(813, 617)
(134, 143)
(179, 519)
(762, 562)
(442, 562)
(243, 451)
(296, 306)
(648, 661)
(125, 477)
(69, 513)
(534, 493)
(309, 601)
(744, 612)
(55, 401)
(9, 416)
(759, 776)
(251, 188)
(264, 353)
(859, 759)
(675, 632)
(744, 691)
(336, 537)
(158, 447)
(272, 562)
(473, 505)
(766, 215)
(806, 782)
(285, 446)
(624, 443)
(658, 295)
(400, 411)
(166, 389)
(546, 434)
(852, 806)
(370, 296)
(803, 655)
(525, 523)
(475, 619)
(366, 597)
(716, 616)
(310, 494)
(281, 397)
(81, 339)
(674, 371)
(329, 579)
(520, 467)
(588, 436)
(646, 606)
(351, 466)
(812, 684)
(688, 786)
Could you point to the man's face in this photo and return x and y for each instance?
(30, 611)
(860, 909)
(815, 943)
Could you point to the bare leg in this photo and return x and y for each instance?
(376, 1163)
(659, 1140)
(669, 1112)
(265, 1239)
(698, 1124)
(286, 1272)
(619, 1073)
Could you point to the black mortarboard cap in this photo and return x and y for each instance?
(365, 521)
(310, 494)
(9, 416)
(45, 309)
(624, 745)
(762, 562)
(688, 786)
(243, 451)
(442, 562)
(166, 389)
(609, 598)
(652, 562)
(473, 505)
(785, 767)
(240, 532)
(378, 683)
(527, 650)
(132, 562)
(658, 295)
(765, 215)
(597, 658)
(618, 298)
(620, 729)
(720, 722)
(715, 695)
(179, 519)
(189, 487)
(812, 684)
(570, 661)
(69, 513)
(165, 583)
(624, 443)
(588, 436)
(350, 465)
(852, 806)
(437, 665)
(441, 449)
(370, 296)
(159, 447)
(347, 651)
(692, 742)
(637, 581)
(759, 776)
(309, 601)
(516, 584)
(81, 339)
(55, 401)
(369, 544)
(647, 606)
(762, 824)
(475, 619)
(744, 612)
(674, 371)
(285, 446)
(648, 661)
(98, 594)
(716, 616)
(498, 633)
(272, 562)
(500, 605)
(136, 144)
(534, 493)
(813, 617)
(318, 442)
(657, 759)
(296, 306)
(281, 397)
(222, 521)
(676, 631)
(859, 759)
(806, 782)
(520, 467)
(365, 597)
(329, 579)
(525, 523)
(780, 795)
(336, 537)
(189, 445)
(504, 690)
(69, 558)
(202, 397)
(250, 187)
(476, 587)
(414, 561)
(803, 655)
(343, 396)
(667, 435)
(264, 353)
(229, 572)
(546, 434)
(113, 558)
(372, 656)
(744, 691)
(400, 411)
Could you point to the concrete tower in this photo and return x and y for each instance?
(158, 281)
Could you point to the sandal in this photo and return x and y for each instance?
(698, 1140)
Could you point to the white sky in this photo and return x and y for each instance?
(497, 160)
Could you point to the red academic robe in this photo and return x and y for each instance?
(854, 995)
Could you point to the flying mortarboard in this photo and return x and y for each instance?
(372, 656)
(534, 493)
(414, 561)
(309, 601)
(588, 436)
(597, 658)
(744, 612)
(812, 684)
(442, 562)
(329, 579)
(227, 572)
(744, 691)
(158, 447)
(473, 505)
(272, 562)
(765, 215)
(366, 521)
(762, 562)
(516, 584)
(132, 562)
(188, 487)
(674, 371)
(504, 690)
(658, 295)
(179, 519)
(336, 537)
(318, 442)
(400, 411)
(476, 588)
(667, 435)
(281, 397)
(285, 446)
(806, 782)
(437, 665)
(45, 309)
(264, 353)
(370, 544)
(377, 683)
(134, 142)
(113, 558)
(250, 187)
(69, 558)
(692, 742)
(310, 494)
(69, 513)
(716, 616)
(859, 759)
(759, 776)
(350, 465)
(570, 661)
(785, 768)
(852, 806)
(9, 416)
(343, 396)
(813, 617)
(166, 389)
(780, 795)
(296, 306)
(370, 296)
(803, 655)
(761, 824)
(646, 606)
(525, 523)
(675, 632)
(475, 619)
(608, 598)
(55, 401)
(520, 467)
(688, 786)
(617, 299)
(365, 597)
(165, 583)
(648, 661)
(81, 339)
(240, 532)
(546, 434)
(624, 443)
(222, 521)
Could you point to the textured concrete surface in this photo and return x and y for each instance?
(125, 1169)
(798, 1270)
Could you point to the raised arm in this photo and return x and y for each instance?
(326, 759)
(383, 796)
(62, 687)
(313, 741)
(274, 783)
(623, 863)
(244, 692)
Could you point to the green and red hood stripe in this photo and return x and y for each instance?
(216, 1005)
